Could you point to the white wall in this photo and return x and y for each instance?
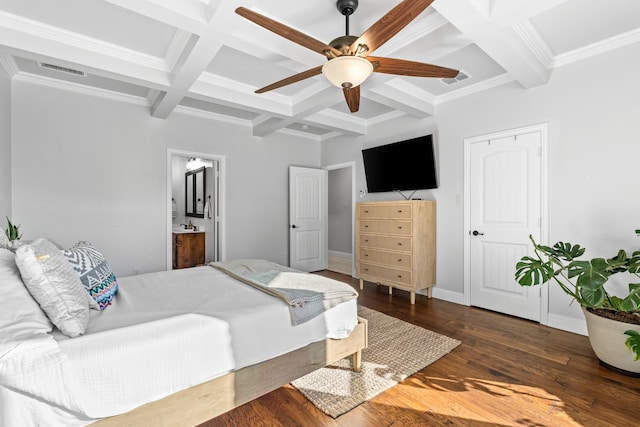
(89, 168)
(593, 108)
(5, 147)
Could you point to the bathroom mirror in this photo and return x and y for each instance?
(194, 193)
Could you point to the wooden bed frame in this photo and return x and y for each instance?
(205, 401)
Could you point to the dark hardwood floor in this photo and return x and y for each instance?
(507, 372)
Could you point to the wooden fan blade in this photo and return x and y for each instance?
(352, 96)
(287, 32)
(292, 79)
(410, 68)
(389, 25)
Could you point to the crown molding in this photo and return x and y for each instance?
(534, 42)
(598, 48)
(9, 64)
(80, 89)
(50, 33)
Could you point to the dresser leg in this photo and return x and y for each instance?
(413, 297)
(361, 284)
(390, 290)
(429, 292)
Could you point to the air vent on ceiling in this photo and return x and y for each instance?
(460, 77)
(62, 69)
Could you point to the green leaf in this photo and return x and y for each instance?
(592, 297)
(591, 274)
(633, 297)
(633, 342)
(619, 263)
(12, 231)
(634, 263)
(567, 252)
(531, 271)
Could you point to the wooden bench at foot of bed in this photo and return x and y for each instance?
(205, 401)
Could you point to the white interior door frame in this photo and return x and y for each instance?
(222, 197)
(543, 128)
(351, 165)
(308, 223)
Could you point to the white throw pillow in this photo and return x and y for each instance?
(52, 282)
(21, 318)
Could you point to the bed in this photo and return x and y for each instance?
(171, 348)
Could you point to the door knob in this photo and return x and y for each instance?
(294, 226)
(477, 233)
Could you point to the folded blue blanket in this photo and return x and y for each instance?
(307, 295)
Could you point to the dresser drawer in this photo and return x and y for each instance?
(395, 243)
(387, 258)
(385, 274)
(384, 211)
(402, 228)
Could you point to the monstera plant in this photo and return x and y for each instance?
(585, 281)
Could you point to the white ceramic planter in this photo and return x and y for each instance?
(608, 342)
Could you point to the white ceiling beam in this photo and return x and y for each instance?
(194, 62)
(401, 95)
(213, 88)
(34, 40)
(348, 124)
(503, 45)
(301, 110)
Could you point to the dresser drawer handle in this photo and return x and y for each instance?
(399, 259)
(399, 227)
(399, 244)
(366, 255)
(400, 211)
(366, 211)
(366, 269)
(366, 226)
(399, 276)
(366, 240)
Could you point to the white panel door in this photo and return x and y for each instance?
(308, 211)
(505, 208)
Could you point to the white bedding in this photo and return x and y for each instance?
(164, 332)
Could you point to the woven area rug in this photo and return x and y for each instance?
(397, 349)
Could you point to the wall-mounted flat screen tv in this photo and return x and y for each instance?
(401, 166)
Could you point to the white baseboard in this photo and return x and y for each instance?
(557, 321)
(337, 254)
(446, 295)
(566, 323)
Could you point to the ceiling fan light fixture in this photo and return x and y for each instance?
(347, 71)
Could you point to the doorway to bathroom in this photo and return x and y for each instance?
(195, 204)
(341, 217)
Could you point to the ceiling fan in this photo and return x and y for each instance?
(349, 63)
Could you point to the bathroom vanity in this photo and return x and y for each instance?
(188, 248)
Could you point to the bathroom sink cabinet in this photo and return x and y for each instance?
(188, 249)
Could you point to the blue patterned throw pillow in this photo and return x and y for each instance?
(95, 274)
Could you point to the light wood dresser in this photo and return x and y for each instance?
(396, 244)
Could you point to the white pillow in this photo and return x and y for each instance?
(52, 282)
(21, 318)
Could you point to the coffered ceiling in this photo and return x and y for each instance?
(199, 56)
